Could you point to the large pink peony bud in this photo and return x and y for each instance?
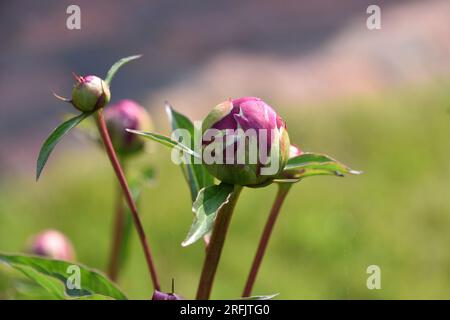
(127, 114)
(52, 244)
(246, 141)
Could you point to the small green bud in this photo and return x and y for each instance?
(90, 93)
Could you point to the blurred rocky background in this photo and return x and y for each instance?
(199, 53)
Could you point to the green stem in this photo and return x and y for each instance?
(128, 197)
(283, 190)
(215, 246)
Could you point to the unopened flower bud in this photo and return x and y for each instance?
(158, 295)
(52, 244)
(254, 146)
(127, 114)
(90, 93)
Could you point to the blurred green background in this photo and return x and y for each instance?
(377, 100)
(395, 215)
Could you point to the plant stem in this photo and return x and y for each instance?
(127, 194)
(283, 190)
(117, 236)
(215, 246)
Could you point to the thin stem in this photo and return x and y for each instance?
(283, 190)
(117, 236)
(127, 194)
(215, 246)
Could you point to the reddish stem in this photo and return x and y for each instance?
(283, 190)
(127, 194)
(214, 248)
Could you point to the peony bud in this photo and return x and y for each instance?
(252, 155)
(90, 93)
(127, 114)
(158, 295)
(52, 244)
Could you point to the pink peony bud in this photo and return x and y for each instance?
(52, 244)
(158, 295)
(90, 93)
(127, 114)
(253, 116)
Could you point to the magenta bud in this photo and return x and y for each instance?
(52, 244)
(252, 116)
(90, 93)
(158, 295)
(127, 114)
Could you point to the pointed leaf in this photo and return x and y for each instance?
(196, 175)
(116, 66)
(54, 287)
(54, 138)
(268, 297)
(285, 180)
(53, 275)
(92, 297)
(312, 164)
(26, 289)
(164, 140)
(208, 203)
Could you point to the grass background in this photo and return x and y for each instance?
(396, 215)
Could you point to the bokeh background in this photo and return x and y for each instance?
(377, 100)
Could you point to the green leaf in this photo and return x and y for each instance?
(164, 140)
(312, 164)
(85, 129)
(25, 289)
(268, 297)
(285, 180)
(208, 203)
(92, 297)
(196, 175)
(53, 275)
(53, 286)
(54, 138)
(116, 66)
